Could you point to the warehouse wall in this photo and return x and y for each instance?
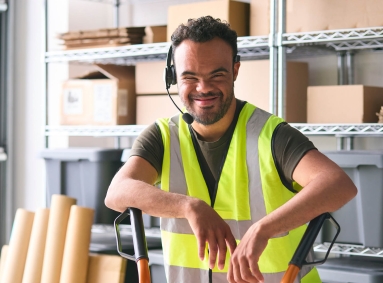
(28, 168)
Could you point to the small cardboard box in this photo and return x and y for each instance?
(305, 16)
(154, 34)
(152, 107)
(343, 104)
(253, 85)
(104, 97)
(235, 13)
(150, 78)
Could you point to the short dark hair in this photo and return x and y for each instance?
(204, 29)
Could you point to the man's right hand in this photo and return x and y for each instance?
(210, 228)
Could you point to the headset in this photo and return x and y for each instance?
(170, 79)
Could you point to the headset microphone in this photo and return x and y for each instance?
(170, 78)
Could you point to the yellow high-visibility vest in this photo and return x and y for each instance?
(249, 188)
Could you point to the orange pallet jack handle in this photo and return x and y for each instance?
(139, 242)
(306, 244)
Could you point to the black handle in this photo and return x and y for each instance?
(308, 239)
(138, 234)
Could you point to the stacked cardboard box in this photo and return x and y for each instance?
(105, 97)
(234, 12)
(102, 37)
(343, 104)
(304, 16)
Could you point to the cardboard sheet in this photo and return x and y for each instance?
(76, 251)
(35, 256)
(18, 247)
(56, 233)
(106, 268)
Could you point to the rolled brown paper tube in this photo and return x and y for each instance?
(56, 233)
(35, 256)
(76, 251)
(3, 256)
(18, 247)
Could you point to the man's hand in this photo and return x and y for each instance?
(210, 228)
(244, 261)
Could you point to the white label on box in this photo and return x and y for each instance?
(102, 107)
(73, 101)
(123, 102)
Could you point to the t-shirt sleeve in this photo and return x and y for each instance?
(290, 145)
(149, 146)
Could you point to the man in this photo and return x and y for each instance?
(241, 216)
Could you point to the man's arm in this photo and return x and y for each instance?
(132, 187)
(326, 188)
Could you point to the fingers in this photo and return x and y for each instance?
(241, 271)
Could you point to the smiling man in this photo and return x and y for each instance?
(238, 184)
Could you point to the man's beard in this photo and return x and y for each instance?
(207, 117)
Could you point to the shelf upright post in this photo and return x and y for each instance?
(116, 13)
(45, 73)
(273, 51)
(342, 78)
(350, 67)
(281, 59)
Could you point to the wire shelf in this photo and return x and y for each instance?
(332, 36)
(340, 129)
(95, 131)
(349, 250)
(249, 46)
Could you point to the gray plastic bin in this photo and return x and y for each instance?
(360, 219)
(156, 264)
(84, 174)
(352, 270)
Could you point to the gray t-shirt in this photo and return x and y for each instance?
(290, 145)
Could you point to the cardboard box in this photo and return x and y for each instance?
(150, 78)
(343, 104)
(154, 34)
(253, 85)
(236, 13)
(104, 97)
(304, 16)
(152, 107)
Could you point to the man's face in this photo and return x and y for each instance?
(205, 78)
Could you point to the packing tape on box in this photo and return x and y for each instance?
(35, 256)
(76, 251)
(56, 233)
(18, 247)
(106, 268)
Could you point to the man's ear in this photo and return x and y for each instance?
(236, 70)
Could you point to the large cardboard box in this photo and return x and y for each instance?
(152, 107)
(304, 15)
(253, 85)
(104, 97)
(343, 104)
(236, 13)
(150, 78)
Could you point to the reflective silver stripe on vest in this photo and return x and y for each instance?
(177, 182)
(178, 274)
(253, 129)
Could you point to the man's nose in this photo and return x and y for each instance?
(204, 86)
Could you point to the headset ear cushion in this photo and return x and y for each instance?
(173, 75)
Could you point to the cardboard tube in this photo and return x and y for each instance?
(3, 256)
(76, 251)
(35, 256)
(56, 233)
(18, 247)
(106, 268)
